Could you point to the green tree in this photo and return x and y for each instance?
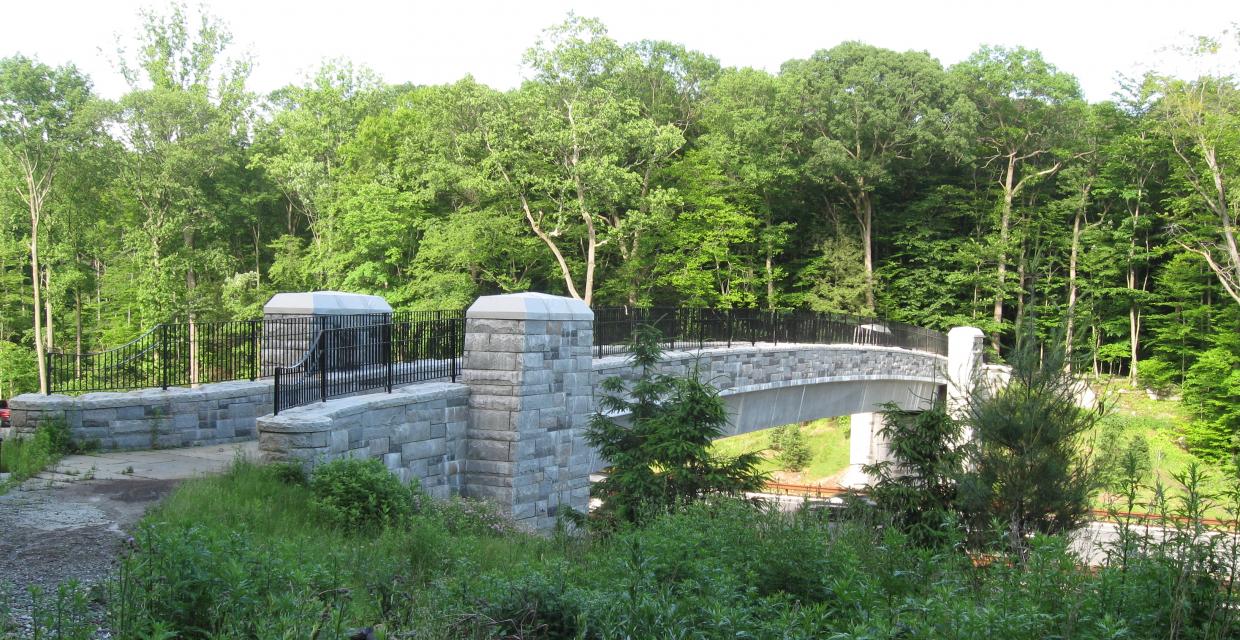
(1028, 110)
(185, 125)
(42, 124)
(1202, 120)
(659, 456)
(917, 489)
(791, 449)
(867, 111)
(1028, 466)
(573, 151)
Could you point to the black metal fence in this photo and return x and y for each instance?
(174, 354)
(413, 347)
(694, 328)
(168, 355)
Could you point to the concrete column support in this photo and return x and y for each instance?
(864, 447)
(528, 364)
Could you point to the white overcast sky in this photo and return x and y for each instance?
(434, 42)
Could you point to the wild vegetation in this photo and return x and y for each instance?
(858, 179)
(252, 555)
(23, 457)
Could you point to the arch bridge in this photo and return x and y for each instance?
(512, 428)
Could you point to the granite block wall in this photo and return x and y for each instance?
(217, 413)
(419, 431)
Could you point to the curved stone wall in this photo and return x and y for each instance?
(771, 385)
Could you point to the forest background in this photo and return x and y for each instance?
(861, 180)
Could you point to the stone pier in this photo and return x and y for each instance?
(528, 366)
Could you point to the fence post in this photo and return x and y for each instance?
(275, 400)
(51, 379)
(254, 349)
(730, 316)
(323, 365)
(452, 353)
(387, 353)
(163, 355)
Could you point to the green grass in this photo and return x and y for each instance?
(23, 457)
(248, 555)
(827, 440)
(1162, 423)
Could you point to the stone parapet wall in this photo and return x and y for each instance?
(766, 366)
(419, 431)
(217, 413)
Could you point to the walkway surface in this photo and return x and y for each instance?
(68, 523)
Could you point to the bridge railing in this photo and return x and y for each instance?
(350, 360)
(167, 355)
(174, 354)
(695, 328)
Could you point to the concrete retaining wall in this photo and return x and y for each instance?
(217, 413)
(419, 431)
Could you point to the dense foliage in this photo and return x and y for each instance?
(360, 494)
(247, 556)
(655, 434)
(857, 179)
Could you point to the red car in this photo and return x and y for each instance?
(4, 414)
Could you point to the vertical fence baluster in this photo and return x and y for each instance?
(387, 353)
(323, 365)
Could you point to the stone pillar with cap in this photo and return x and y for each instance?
(964, 368)
(292, 322)
(528, 364)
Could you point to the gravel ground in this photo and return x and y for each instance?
(52, 532)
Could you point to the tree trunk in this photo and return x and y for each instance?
(1005, 217)
(1070, 323)
(47, 307)
(191, 283)
(865, 220)
(36, 279)
(77, 333)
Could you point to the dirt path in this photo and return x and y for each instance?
(69, 523)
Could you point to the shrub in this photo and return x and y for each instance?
(359, 495)
(469, 516)
(662, 458)
(288, 473)
(791, 449)
(24, 457)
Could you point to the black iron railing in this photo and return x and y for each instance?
(174, 354)
(414, 347)
(694, 328)
(169, 354)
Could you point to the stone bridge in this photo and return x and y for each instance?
(512, 429)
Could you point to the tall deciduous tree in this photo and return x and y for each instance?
(573, 150)
(185, 124)
(1027, 108)
(41, 122)
(865, 112)
(1202, 120)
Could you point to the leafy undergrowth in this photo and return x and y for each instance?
(1160, 424)
(828, 444)
(252, 554)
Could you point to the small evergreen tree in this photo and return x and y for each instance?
(917, 490)
(790, 447)
(1028, 465)
(662, 457)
